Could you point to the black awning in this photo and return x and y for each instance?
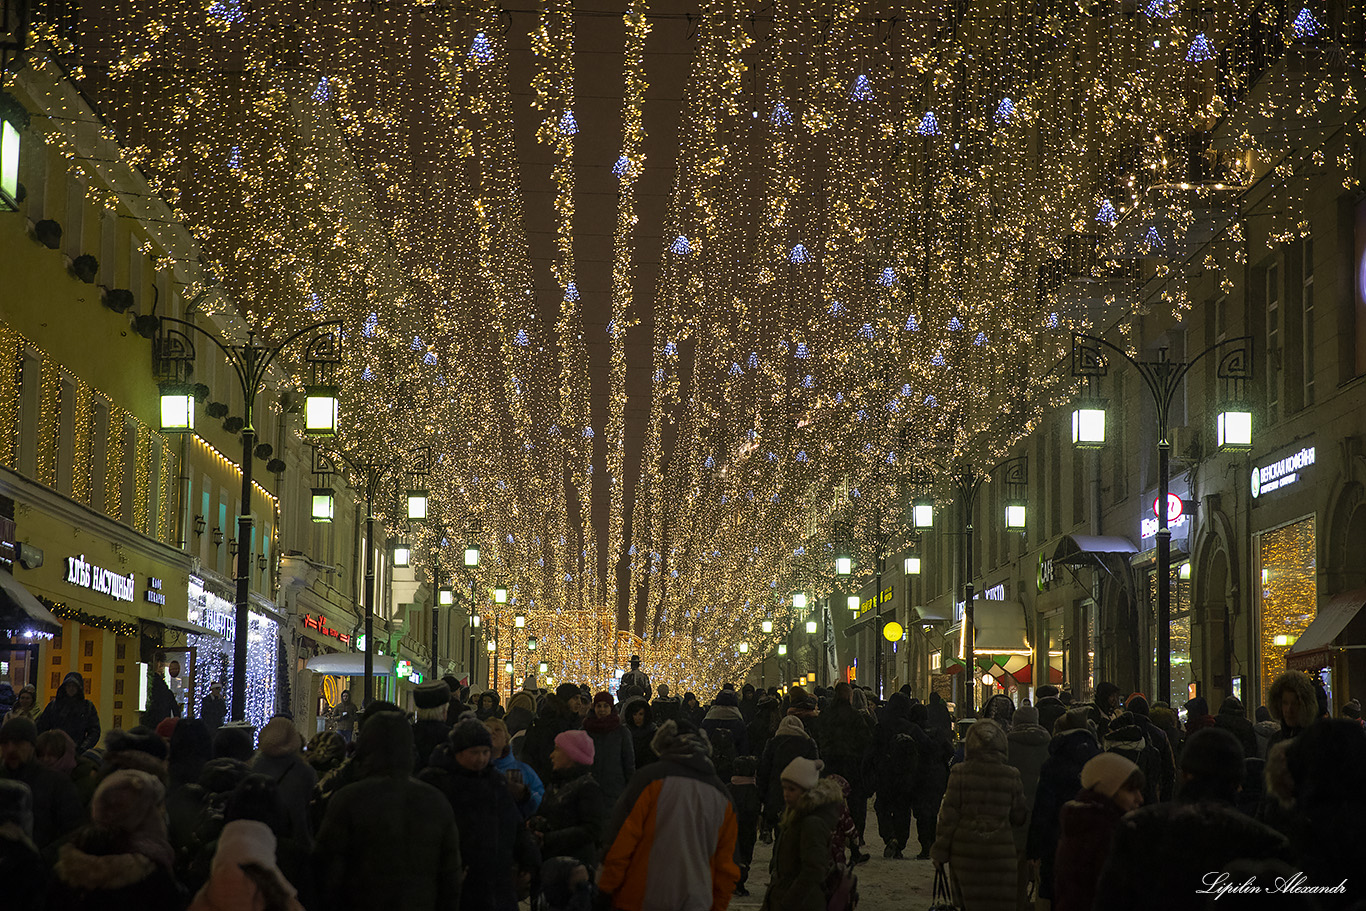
(19, 609)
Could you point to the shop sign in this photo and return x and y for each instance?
(867, 603)
(1176, 517)
(1281, 473)
(996, 593)
(1048, 573)
(97, 579)
(154, 595)
(319, 623)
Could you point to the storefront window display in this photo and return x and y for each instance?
(1183, 674)
(213, 654)
(1287, 595)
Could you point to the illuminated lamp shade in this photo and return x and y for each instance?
(799, 600)
(531, 643)
(744, 648)
(403, 555)
(844, 565)
(475, 620)
(767, 626)
(893, 631)
(922, 513)
(782, 649)
(508, 667)
(1088, 424)
(324, 504)
(810, 628)
(472, 555)
(1015, 515)
(542, 667)
(988, 680)
(492, 646)
(417, 504)
(177, 408)
(852, 602)
(320, 410)
(444, 596)
(9, 165)
(500, 594)
(1185, 571)
(1234, 426)
(519, 620)
(912, 564)
(1283, 640)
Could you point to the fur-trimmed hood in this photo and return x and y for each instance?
(825, 792)
(103, 872)
(1299, 683)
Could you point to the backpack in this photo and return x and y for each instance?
(901, 763)
(1149, 762)
(723, 752)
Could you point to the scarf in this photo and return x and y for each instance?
(595, 725)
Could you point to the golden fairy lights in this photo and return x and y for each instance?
(885, 222)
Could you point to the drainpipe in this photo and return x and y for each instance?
(183, 514)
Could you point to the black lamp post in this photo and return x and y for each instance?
(371, 472)
(967, 484)
(174, 354)
(1163, 378)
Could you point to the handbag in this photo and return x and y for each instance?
(941, 899)
(841, 889)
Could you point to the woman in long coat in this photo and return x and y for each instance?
(982, 807)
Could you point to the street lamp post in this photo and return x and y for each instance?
(1163, 378)
(967, 484)
(175, 355)
(372, 471)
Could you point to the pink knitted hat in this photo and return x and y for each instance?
(577, 745)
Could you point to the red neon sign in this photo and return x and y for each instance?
(319, 623)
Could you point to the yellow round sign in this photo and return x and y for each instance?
(892, 632)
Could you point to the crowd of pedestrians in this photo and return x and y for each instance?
(579, 800)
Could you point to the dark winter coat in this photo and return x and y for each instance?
(1161, 854)
(642, 735)
(494, 845)
(428, 734)
(801, 857)
(614, 755)
(57, 807)
(1128, 738)
(779, 752)
(74, 714)
(760, 730)
(387, 840)
(892, 775)
(213, 710)
(975, 836)
(1059, 781)
(844, 736)
(1086, 826)
(1232, 719)
(7, 699)
(89, 879)
(295, 779)
(539, 740)
(1027, 752)
(161, 702)
(1159, 741)
(573, 817)
(1050, 710)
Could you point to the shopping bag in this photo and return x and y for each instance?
(941, 899)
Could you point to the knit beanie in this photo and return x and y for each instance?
(278, 737)
(125, 799)
(18, 730)
(432, 695)
(1046, 691)
(1213, 754)
(1025, 714)
(567, 691)
(470, 733)
(803, 772)
(577, 745)
(604, 696)
(1105, 773)
(792, 726)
